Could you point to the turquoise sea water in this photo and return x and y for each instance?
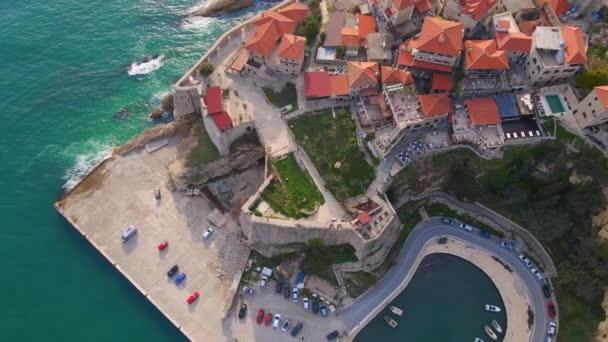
(63, 74)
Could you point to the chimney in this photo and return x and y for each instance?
(442, 38)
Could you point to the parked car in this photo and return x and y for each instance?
(506, 245)
(260, 317)
(286, 290)
(163, 245)
(180, 278)
(306, 303)
(525, 260)
(466, 227)
(193, 297)
(263, 281)
(332, 335)
(277, 320)
(279, 287)
(546, 290)
(268, 319)
(248, 290)
(323, 311)
(296, 330)
(485, 234)
(538, 275)
(243, 311)
(207, 234)
(446, 220)
(171, 272)
(128, 233)
(315, 307)
(551, 310)
(294, 295)
(286, 325)
(552, 328)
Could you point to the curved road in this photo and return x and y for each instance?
(432, 229)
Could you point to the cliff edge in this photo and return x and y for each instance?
(215, 7)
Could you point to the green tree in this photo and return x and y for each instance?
(206, 68)
(591, 79)
(340, 52)
(309, 28)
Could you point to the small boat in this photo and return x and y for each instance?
(490, 332)
(477, 339)
(493, 308)
(396, 310)
(390, 321)
(496, 326)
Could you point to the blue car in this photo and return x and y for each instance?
(323, 311)
(485, 234)
(180, 278)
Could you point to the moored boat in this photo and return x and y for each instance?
(391, 322)
(490, 332)
(477, 339)
(493, 308)
(496, 326)
(396, 310)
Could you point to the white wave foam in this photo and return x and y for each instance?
(138, 68)
(196, 23)
(85, 163)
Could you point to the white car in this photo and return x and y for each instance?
(552, 328)
(263, 281)
(466, 227)
(306, 304)
(525, 260)
(277, 320)
(207, 234)
(295, 294)
(536, 273)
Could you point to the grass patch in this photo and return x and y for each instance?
(204, 152)
(294, 194)
(440, 209)
(531, 185)
(319, 259)
(287, 96)
(358, 282)
(328, 140)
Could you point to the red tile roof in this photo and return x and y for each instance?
(405, 57)
(574, 45)
(435, 104)
(350, 37)
(503, 24)
(367, 24)
(477, 9)
(222, 120)
(296, 11)
(362, 74)
(316, 84)
(432, 66)
(338, 85)
(394, 75)
(483, 55)
(264, 39)
(213, 100)
(292, 47)
(513, 41)
(441, 81)
(559, 6)
(483, 111)
(602, 95)
(283, 23)
(440, 36)
(423, 5)
(402, 4)
(363, 218)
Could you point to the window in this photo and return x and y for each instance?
(546, 72)
(538, 68)
(534, 60)
(575, 111)
(584, 115)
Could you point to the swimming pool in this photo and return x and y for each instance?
(555, 104)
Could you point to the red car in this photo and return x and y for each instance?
(268, 319)
(260, 318)
(551, 310)
(163, 245)
(194, 297)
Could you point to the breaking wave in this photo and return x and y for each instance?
(147, 65)
(85, 163)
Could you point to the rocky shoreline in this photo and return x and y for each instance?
(216, 7)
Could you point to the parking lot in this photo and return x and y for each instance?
(315, 326)
(121, 192)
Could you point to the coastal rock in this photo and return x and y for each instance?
(155, 114)
(167, 104)
(215, 7)
(158, 132)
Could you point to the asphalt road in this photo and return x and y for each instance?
(431, 229)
